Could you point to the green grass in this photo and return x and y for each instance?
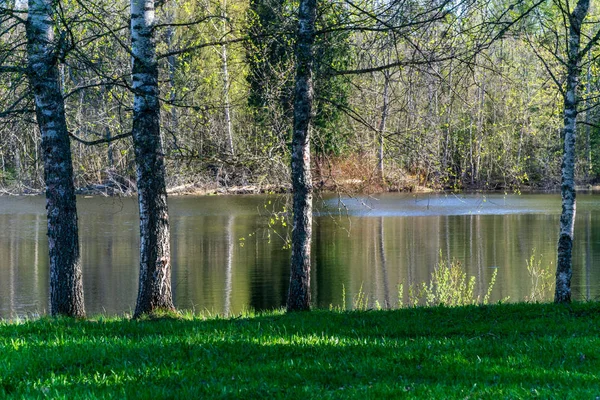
(500, 351)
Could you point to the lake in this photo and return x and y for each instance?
(229, 253)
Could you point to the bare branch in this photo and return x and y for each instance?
(201, 46)
(190, 23)
(100, 141)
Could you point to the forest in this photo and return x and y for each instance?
(451, 94)
(446, 94)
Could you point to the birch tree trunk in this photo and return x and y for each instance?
(564, 269)
(299, 291)
(66, 286)
(155, 255)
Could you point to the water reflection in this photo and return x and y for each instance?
(385, 281)
(229, 266)
(226, 258)
(23, 255)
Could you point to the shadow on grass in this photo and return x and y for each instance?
(508, 350)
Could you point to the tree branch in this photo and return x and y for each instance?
(190, 23)
(201, 46)
(100, 141)
(12, 68)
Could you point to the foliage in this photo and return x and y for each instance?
(332, 52)
(269, 54)
(278, 218)
(542, 279)
(449, 286)
(458, 118)
(272, 26)
(361, 300)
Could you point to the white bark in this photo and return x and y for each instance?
(66, 286)
(564, 269)
(155, 254)
(299, 291)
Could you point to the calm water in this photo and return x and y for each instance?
(226, 258)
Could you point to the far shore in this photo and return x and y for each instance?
(348, 186)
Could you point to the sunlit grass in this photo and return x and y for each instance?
(499, 351)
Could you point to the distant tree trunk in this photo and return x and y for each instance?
(173, 118)
(155, 255)
(564, 269)
(480, 132)
(588, 144)
(66, 286)
(107, 136)
(299, 292)
(14, 146)
(110, 148)
(448, 131)
(3, 165)
(226, 87)
(384, 116)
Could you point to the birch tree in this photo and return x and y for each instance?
(44, 51)
(155, 255)
(564, 266)
(299, 291)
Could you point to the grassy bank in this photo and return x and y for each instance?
(500, 351)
